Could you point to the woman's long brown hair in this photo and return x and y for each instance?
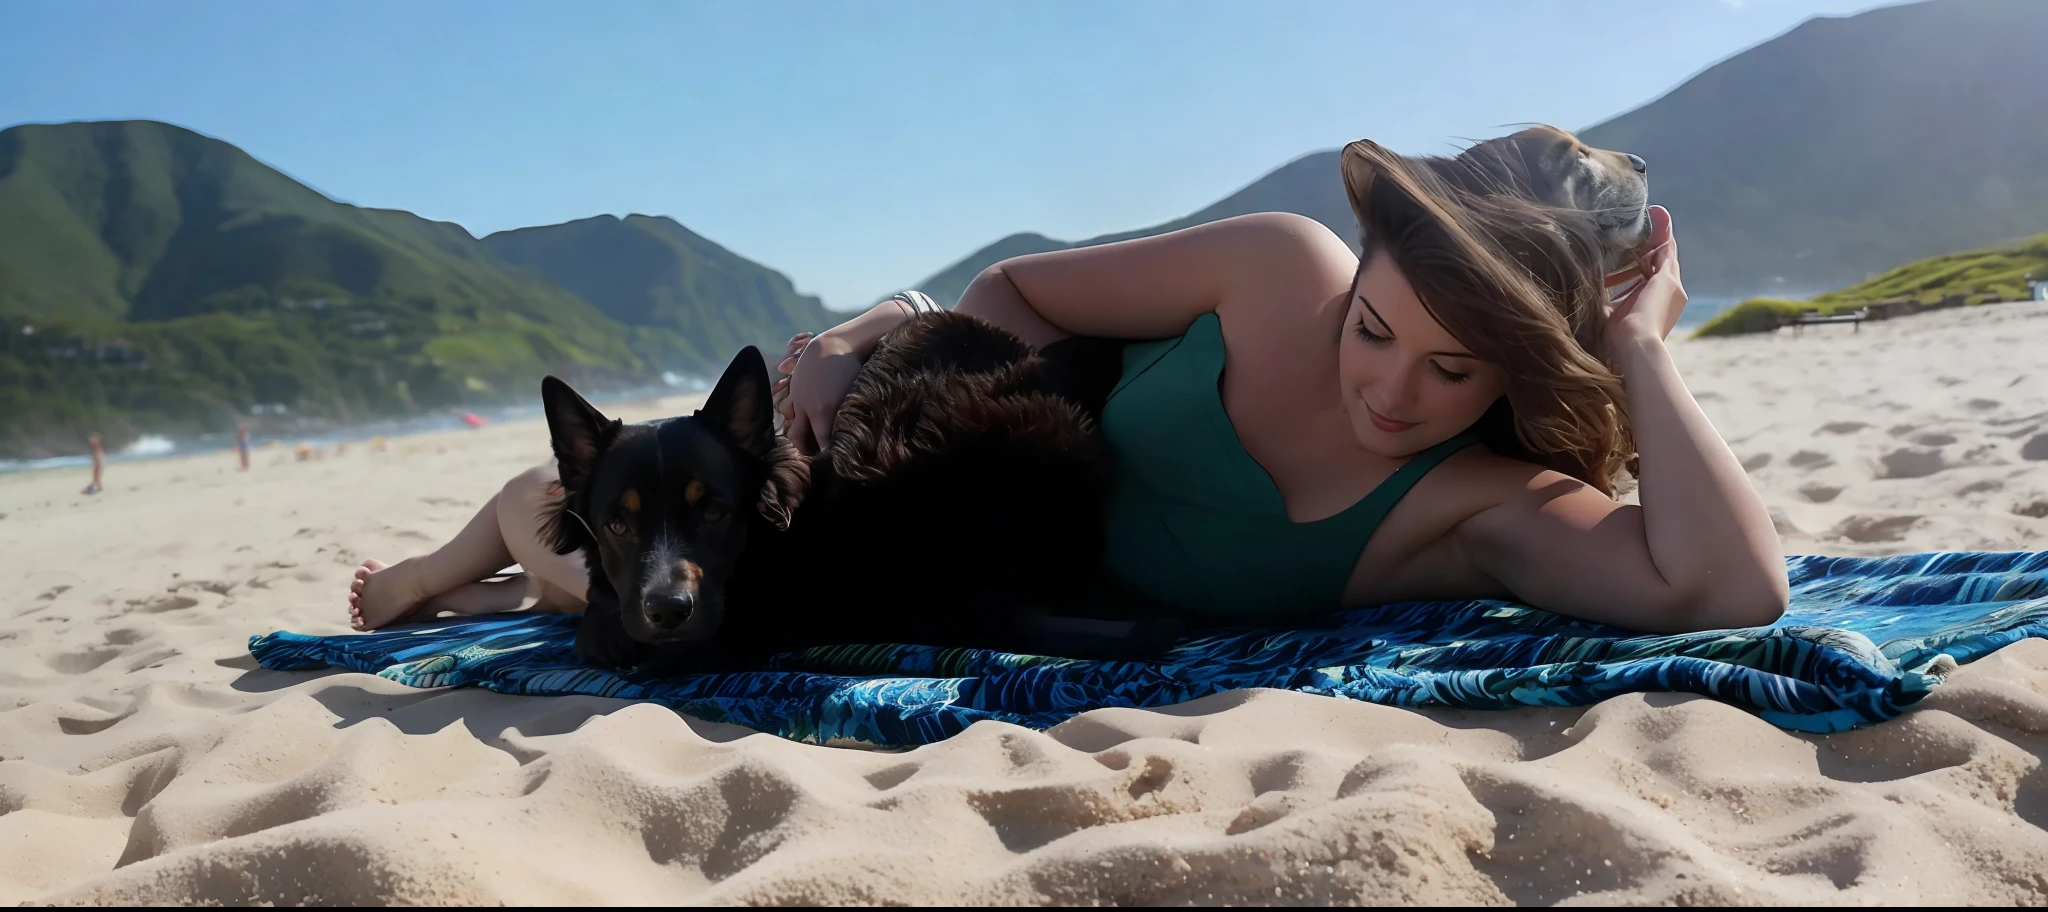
(1519, 284)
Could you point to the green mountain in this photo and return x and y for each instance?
(681, 293)
(156, 280)
(1811, 161)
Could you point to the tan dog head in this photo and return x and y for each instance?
(1553, 167)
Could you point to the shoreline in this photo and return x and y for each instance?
(151, 447)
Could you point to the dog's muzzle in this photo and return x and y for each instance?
(668, 613)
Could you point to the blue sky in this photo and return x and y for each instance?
(856, 146)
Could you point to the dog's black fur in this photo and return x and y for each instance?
(959, 498)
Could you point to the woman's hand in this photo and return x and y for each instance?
(780, 391)
(1654, 307)
(821, 371)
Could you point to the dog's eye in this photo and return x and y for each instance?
(713, 514)
(616, 527)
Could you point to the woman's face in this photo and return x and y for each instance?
(1407, 384)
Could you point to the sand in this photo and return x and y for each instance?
(144, 757)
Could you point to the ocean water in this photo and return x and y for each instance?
(158, 446)
(1701, 308)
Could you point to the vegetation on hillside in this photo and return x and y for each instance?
(692, 303)
(1953, 279)
(156, 280)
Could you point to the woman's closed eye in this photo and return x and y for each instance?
(1369, 336)
(1443, 373)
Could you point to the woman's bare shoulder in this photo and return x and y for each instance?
(1498, 498)
(1298, 267)
(1477, 480)
(1418, 553)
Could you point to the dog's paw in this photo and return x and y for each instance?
(606, 645)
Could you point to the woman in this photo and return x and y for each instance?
(1447, 416)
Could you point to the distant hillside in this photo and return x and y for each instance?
(156, 280)
(1810, 161)
(679, 291)
(1970, 277)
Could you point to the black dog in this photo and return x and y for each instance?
(959, 497)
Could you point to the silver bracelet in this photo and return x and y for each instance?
(917, 302)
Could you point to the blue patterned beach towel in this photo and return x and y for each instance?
(1865, 639)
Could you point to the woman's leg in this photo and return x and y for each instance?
(504, 532)
(561, 578)
(482, 597)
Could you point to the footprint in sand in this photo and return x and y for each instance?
(1872, 529)
(1934, 439)
(84, 660)
(1979, 487)
(1756, 462)
(2036, 448)
(1819, 493)
(217, 587)
(1842, 427)
(1911, 463)
(1983, 405)
(1809, 459)
(1950, 381)
(87, 719)
(2037, 510)
(163, 604)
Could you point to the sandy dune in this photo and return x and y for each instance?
(144, 758)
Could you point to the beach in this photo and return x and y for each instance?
(145, 758)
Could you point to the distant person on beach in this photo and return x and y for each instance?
(99, 467)
(1452, 414)
(242, 447)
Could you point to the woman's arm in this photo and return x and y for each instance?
(1150, 288)
(1142, 288)
(1137, 289)
(1699, 553)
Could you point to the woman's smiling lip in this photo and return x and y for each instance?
(1386, 424)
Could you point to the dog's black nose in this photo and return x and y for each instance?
(670, 612)
(1642, 167)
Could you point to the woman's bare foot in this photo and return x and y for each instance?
(382, 595)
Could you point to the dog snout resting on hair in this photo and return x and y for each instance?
(1553, 167)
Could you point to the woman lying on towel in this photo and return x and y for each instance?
(1298, 429)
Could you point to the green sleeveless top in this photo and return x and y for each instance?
(1194, 521)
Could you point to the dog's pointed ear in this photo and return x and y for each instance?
(741, 405)
(578, 432)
